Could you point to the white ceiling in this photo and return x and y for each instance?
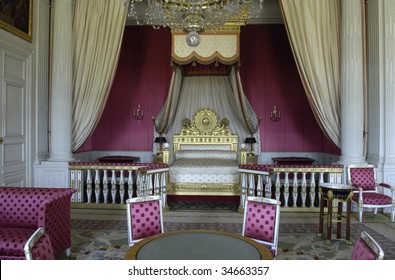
(270, 13)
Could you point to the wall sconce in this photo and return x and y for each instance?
(138, 114)
(275, 115)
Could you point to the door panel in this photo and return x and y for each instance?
(13, 164)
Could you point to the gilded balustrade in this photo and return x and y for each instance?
(296, 186)
(114, 183)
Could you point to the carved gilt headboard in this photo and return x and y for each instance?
(205, 131)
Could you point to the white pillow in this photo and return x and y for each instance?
(219, 147)
(207, 154)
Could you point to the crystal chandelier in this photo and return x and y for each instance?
(195, 16)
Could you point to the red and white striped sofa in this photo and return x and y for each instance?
(24, 210)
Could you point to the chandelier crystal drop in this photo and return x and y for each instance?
(195, 15)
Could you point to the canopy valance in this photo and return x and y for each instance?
(223, 47)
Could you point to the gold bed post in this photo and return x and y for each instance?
(243, 156)
(166, 155)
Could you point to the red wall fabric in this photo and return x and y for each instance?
(269, 77)
(143, 77)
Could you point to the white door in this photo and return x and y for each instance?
(1, 136)
(13, 82)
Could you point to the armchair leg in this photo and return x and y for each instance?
(393, 213)
(360, 214)
(68, 252)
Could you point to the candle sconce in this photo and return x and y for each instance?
(275, 115)
(138, 113)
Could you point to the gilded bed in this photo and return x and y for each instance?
(205, 160)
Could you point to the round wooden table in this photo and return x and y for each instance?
(198, 245)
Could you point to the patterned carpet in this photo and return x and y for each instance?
(199, 206)
(106, 238)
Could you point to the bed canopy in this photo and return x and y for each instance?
(207, 77)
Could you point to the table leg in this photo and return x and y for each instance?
(329, 222)
(321, 224)
(348, 222)
(339, 220)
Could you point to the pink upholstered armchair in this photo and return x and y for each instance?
(366, 194)
(144, 217)
(24, 210)
(261, 221)
(366, 248)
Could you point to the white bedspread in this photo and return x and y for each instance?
(205, 170)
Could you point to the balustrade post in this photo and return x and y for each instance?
(268, 186)
(105, 186)
(286, 189)
(243, 185)
(312, 189)
(251, 185)
(303, 189)
(320, 181)
(80, 191)
(278, 186)
(143, 184)
(113, 186)
(295, 188)
(97, 186)
(73, 185)
(156, 184)
(89, 186)
(150, 186)
(259, 186)
(122, 186)
(163, 185)
(130, 184)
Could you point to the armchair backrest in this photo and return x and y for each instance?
(362, 176)
(261, 220)
(33, 201)
(366, 248)
(144, 217)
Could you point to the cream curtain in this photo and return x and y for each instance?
(222, 94)
(98, 28)
(314, 33)
(163, 120)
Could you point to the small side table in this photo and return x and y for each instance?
(158, 158)
(252, 159)
(335, 192)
